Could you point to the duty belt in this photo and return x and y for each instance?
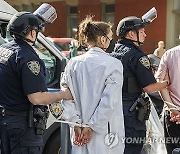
(4, 112)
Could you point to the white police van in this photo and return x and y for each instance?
(55, 63)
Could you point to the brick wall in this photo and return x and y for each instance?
(90, 7)
(155, 31)
(59, 27)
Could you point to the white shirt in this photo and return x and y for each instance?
(95, 80)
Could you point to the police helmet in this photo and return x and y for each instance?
(129, 23)
(22, 23)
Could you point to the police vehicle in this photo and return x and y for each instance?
(55, 63)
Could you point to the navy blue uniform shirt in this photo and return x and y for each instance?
(22, 72)
(136, 66)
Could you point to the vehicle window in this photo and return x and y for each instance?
(2, 41)
(49, 60)
(64, 46)
(3, 33)
(59, 47)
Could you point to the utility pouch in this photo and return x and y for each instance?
(40, 115)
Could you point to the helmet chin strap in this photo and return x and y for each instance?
(26, 39)
(139, 43)
(137, 33)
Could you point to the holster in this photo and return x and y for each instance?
(144, 109)
(41, 115)
(143, 106)
(38, 116)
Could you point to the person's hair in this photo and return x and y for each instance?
(89, 30)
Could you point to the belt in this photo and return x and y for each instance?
(4, 112)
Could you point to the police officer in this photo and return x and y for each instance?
(138, 78)
(22, 83)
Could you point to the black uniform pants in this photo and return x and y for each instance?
(172, 133)
(135, 130)
(17, 137)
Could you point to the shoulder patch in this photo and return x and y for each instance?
(145, 61)
(34, 67)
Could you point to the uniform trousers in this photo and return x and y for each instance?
(135, 130)
(17, 137)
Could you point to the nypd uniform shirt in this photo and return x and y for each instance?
(22, 72)
(136, 64)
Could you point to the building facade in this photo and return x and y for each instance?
(70, 12)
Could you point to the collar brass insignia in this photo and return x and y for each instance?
(34, 66)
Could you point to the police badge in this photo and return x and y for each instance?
(56, 109)
(34, 66)
(145, 61)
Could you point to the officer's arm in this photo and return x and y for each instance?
(44, 98)
(153, 87)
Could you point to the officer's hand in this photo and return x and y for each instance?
(77, 135)
(66, 93)
(86, 135)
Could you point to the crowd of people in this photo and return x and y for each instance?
(103, 89)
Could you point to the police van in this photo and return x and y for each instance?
(55, 63)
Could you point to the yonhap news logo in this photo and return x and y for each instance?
(143, 140)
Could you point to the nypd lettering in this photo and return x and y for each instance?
(34, 67)
(5, 54)
(121, 50)
(145, 61)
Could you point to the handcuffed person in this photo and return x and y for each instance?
(95, 80)
(171, 96)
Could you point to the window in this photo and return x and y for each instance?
(108, 13)
(177, 29)
(72, 21)
(174, 24)
(49, 61)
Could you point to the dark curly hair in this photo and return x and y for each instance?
(89, 30)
